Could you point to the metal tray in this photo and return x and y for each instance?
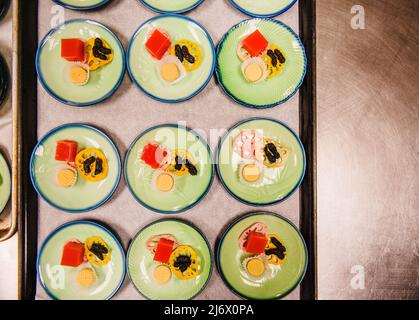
(31, 119)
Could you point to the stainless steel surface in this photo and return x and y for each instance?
(368, 104)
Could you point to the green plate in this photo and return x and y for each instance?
(143, 68)
(59, 281)
(5, 183)
(263, 9)
(140, 261)
(270, 92)
(51, 67)
(178, 6)
(281, 280)
(82, 4)
(278, 183)
(84, 195)
(188, 190)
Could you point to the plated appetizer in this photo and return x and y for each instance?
(258, 153)
(171, 58)
(169, 259)
(263, 9)
(5, 183)
(174, 59)
(260, 63)
(81, 260)
(75, 168)
(168, 168)
(262, 256)
(178, 6)
(261, 161)
(172, 259)
(89, 164)
(261, 60)
(80, 63)
(84, 57)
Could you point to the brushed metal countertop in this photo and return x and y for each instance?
(368, 105)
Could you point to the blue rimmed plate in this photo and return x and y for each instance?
(278, 280)
(82, 4)
(143, 69)
(140, 262)
(187, 190)
(84, 195)
(178, 6)
(273, 90)
(60, 282)
(263, 9)
(275, 184)
(5, 183)
(51, 67)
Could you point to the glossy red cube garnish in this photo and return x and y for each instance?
(157, 44)
(66, 150)
(255, 43)
(163, 250)
(256, 242)
(73, 254)
(149, 155)
(73, 50)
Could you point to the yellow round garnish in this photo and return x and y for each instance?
(170, 72)
(253, 72)
(255, 267)
(194, 50)
(97, 251)
(165, 182)
(96, 62)
(86, 277)
(162, 274)
(92, 164)
(66, 177)
(79, 75)
(273, 259)
(184, 262)
(251, 172)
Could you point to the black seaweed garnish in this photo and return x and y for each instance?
(99, 166)
(279, 249)
(273, 57)
(87, 163)
(271, 152)
(178, 52)
(99, 51)
(188, 57)
(182, 263)
(99, 250)
(179, 163)
(280, 56)
(191, 168)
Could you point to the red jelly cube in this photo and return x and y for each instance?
(255, 43)
(73, 254)
(256, 242)
(157, 44)
(149, 155)
(66, 151)
(163, 250)
(73, 49)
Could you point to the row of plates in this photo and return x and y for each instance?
(59, 282)
(142, 68)
(277, 187)
(266, 8)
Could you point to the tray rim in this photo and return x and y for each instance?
(27, 200)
